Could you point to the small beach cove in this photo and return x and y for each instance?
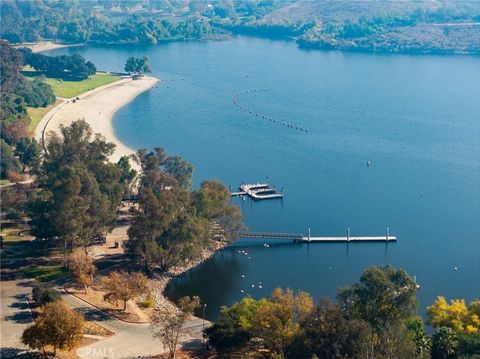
(97, 107)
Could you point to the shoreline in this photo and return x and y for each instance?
(97, 107)
(43, 46)
(160, 282)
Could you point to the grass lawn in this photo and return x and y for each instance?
(4, 181)
(37, 113)
(46, 273)
(67, 88)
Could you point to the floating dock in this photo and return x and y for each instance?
(257, 191)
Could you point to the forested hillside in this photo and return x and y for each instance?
(390, 26)
(19, 93)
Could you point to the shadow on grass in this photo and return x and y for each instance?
(65, 77)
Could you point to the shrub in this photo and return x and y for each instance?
(42, 295)
(149, 301)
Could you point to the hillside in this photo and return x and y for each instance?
(430, 26)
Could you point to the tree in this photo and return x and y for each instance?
(122, 286)
(212, 202)
(16, 92)
(231, 331)
(167, 324)
(469, 344)
(455, 315)
(162, 203)
(56, 325)
(36, 93)
(385, 297)
(9, 163)
(416, 331)
(13, 199)
(83, 268)
(13, 112)
(127, 175)
(172, 225)
(29, 153)
(79, 189)
(276, 321)
(138, 64)
(444, 343)
(329, 333)
(271, 324)
(180, 169)
(63, 66)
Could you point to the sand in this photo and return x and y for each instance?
(97, 107)
(45, 46)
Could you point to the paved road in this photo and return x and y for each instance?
(130, 340)
(15, 317)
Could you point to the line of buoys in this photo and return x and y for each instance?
(283, 123)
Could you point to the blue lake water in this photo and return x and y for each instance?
(415, 118)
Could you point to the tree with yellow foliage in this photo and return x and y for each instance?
(455, 315)
(277, 319)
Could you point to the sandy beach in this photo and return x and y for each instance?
(97, 107)
(45, 46)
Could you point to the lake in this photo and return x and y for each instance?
(415, 118)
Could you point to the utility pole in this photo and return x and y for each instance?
(203, 326)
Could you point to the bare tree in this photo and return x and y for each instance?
(122, 286)
(167, 323)
(83, 268)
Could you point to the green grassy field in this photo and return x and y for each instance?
(46, 273)
(67, 88)
(36, 114)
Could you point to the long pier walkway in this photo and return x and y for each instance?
(301, 238)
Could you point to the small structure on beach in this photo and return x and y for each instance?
(257, 191)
